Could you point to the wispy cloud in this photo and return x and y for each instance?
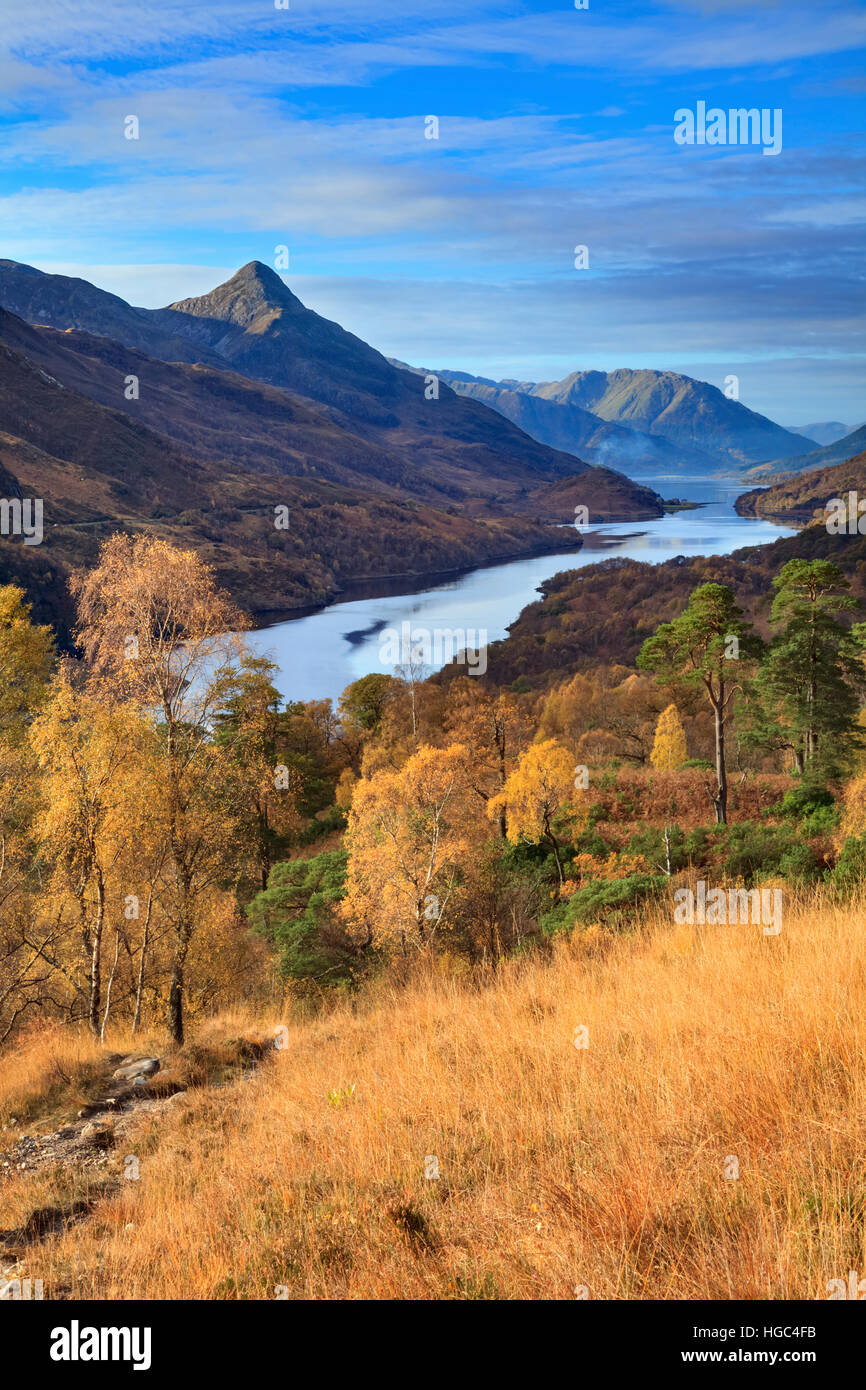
(306, 127)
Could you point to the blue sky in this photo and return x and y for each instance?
(305, 127)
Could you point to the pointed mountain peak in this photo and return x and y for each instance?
(253, 297)
(256, 273)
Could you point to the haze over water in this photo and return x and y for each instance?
(319, 655)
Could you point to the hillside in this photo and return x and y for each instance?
(837, 452)
(680, 409)
(99, 470)
(822, 432)
(449, 450)
(558, 1173)
(569, 427)
(805, 497)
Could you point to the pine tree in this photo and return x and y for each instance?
(708, 645)
(806, 694)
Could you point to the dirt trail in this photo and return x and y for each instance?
(137, 1086)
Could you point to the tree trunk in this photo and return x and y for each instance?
(183, 936)
(552, 838)
(720, 800)
(108, 988)
(499, 739)
(175, 992)
(95, 999)
(139, 988)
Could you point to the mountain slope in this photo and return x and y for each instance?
(61, 301)
(837, 452)
(673, 423)
(824, 432)
(97, 471)
(567, 426)
(449, 450)
(680, 409)
(805, 497)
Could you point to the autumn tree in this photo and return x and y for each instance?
(154, 628)
(363, 703)
(534, 793)
(669, 748)
(708, 647)
(609, 713)
(248, 725)
(26, 659)
(493, 728)
(408, 836)
(87, 752)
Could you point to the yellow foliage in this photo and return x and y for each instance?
(854, 808)
(538, 787)
(408, 834)
(669, 748)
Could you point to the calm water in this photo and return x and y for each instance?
(318, 656)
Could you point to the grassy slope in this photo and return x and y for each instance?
(559, 1167)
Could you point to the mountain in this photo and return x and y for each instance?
(97, 470)
(825, 432)
(674, 423)
(570, 427)
(61, 301)
(805, 497)
(837, 452)
(679, 408)
(448, 451)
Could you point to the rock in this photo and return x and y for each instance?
(137, 1068)
(107, 1103)
(99, 1134)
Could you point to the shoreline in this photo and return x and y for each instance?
(386, 586)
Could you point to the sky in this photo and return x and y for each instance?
(306, 128)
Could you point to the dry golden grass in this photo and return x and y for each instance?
(559, 1167)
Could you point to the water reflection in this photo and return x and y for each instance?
(320, 654)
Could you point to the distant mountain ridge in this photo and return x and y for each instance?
(645, 420)
(577, 430)
(823, 431)
(837, 452)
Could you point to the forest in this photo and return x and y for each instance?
(177, 838)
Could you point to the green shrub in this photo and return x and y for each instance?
(849, 871)
(610, 901)
(751, 851)
(296, 913)
(333, 819)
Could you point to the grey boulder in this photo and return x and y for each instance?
(136, 1068)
